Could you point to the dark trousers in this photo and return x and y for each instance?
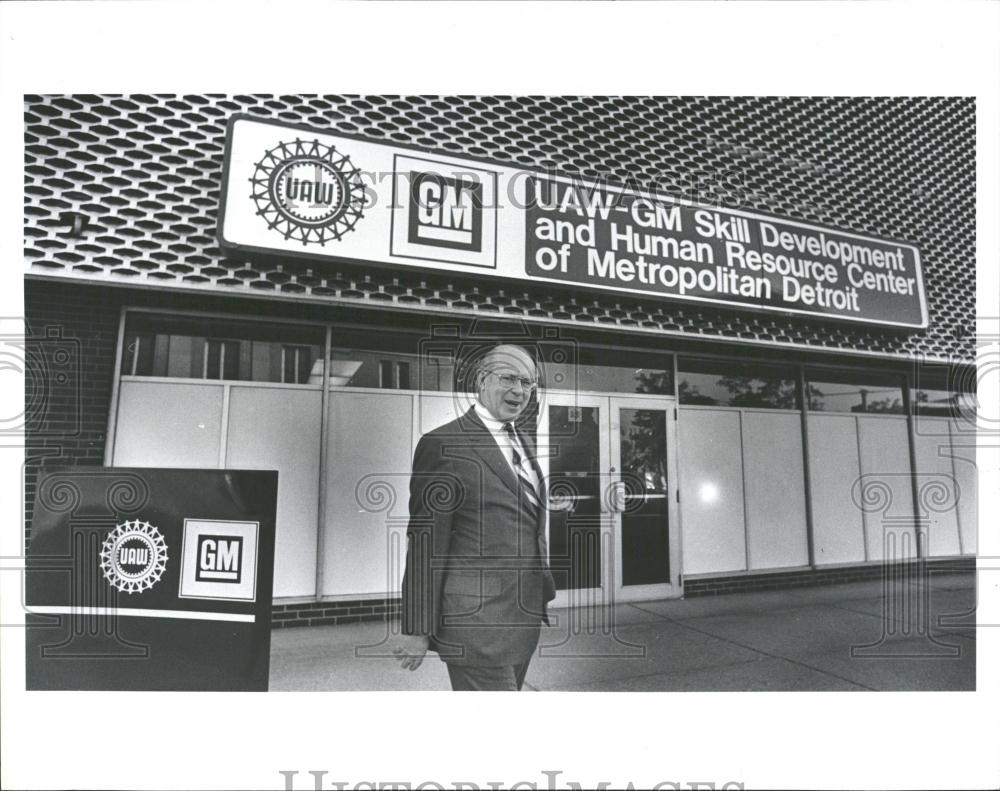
(475, 678)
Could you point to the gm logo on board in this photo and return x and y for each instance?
(219, 560)
(444, 212)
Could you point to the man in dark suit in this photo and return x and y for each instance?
(477, 582)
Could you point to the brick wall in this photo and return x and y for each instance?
(328, 613)
(70, 337)
(331, 613)
(744, 583)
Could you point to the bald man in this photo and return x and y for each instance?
(477, 582)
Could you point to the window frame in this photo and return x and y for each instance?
(819, 374)
(792, 371)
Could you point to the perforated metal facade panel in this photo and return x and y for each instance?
(146, 173)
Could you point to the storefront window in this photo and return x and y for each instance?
(935, 402)
(731, 383)
(297, 362)
(446, 363)
(389, 361)
(944, 393)
(588, 369)
(854, 391)
(196, 348)
(221, 359)
(227, 349)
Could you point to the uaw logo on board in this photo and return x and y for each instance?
(133, 557)
(219, 560)
(308, 191)
(444, 212)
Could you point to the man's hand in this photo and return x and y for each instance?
(410, 650)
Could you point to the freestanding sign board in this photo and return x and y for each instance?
(293, 191)
(151, 579)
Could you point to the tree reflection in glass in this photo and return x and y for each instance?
(644, 451)
(721, 383)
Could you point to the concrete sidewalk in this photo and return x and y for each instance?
(904, 636)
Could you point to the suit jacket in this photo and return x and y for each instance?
(476, 580)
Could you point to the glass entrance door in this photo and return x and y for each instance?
(610, 474)
(644, 505)
(573, 453)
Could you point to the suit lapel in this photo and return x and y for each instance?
(487, 449)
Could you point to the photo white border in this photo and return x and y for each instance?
(777, 740)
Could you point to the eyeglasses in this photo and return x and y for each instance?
(509, 381)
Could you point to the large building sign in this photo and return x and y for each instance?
(590, 236)
(302, 192)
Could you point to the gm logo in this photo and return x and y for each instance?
(446, 212)
(219, 558)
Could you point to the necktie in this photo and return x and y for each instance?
(530, 493)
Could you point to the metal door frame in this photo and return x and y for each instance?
(612, 590)
(663, 590)
(579, 596)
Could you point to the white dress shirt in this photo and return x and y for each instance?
(496, 429)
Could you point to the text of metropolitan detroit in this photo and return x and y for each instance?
(856, 260)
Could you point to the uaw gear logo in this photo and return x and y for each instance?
(308, 191)
(134, 557)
